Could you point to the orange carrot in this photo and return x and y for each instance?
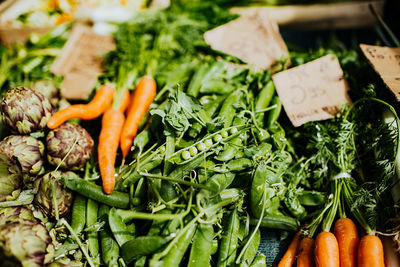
(100, 103)
(125, 101)
(306, 253)
(141, 99)
(370, 252)
(347, 237)
(111, 125)
(290, 254)
(326, 250)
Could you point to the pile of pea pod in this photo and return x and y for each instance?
(210, 168)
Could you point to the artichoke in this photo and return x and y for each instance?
(15, 214)
(10, 178)
(49, 90)
(49, 184)
(25, 243)
(24, 110)
(27, 150)
(71, 139)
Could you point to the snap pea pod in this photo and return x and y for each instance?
(93, 236)
(200, 253)
(169, 149)
(218, 182)
(207, 143)
(263, 99)
(281, 222)
(119, 229)
(232, 147)
(213, 104)
(135, 176)
(230, 193)
(237, 165)
(78, 217)
(262, 178)
(251, 250)
(158, 225)
(139, 197)
(228, 109)
(183, 170)
(311, 198)
(259, 261)
(274, 114)
(293, 204)
(142, 246)
(229, 240)
(176, 249)
(197, 127)
(142, 139)
(167, 191)
(196, 81)
(95, 192)
(109, 247)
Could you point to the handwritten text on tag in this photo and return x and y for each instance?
(313, 91)
(386, 61)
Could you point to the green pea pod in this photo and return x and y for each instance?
(263, 100)
(197, 79)
(212, 106)
(214, 246)
(95, 192)
(142, 139)
(230, 151)
(183, 170)
(135, 176)
(262, 178)
(139, 196)
(158, 225)
(167, 191)
(219, 182)
(119, 228)
(274, 114)
(293, 205)
(142, 246)
(311, 198)
(78, 216)
(229, 240)
(169, 149)
(195, 130)
(141, 262)
(281, 222)
(200, 253)
(176, 249)
(251, 250)
(230, 193)
(109, 247)
(237, 165)
(93, 236)
(259, 261)
(228, 109)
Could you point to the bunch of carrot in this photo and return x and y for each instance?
(116, 130)
(333, 250)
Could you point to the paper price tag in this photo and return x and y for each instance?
(254, 39)
(313, 91)
(80, 61)
(386, 62)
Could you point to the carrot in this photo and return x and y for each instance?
(111, 125)
(347, 237)
(100, 102)
(141, 99)
(306, 253)
(370, 252)
(290, 254)
(125, 101)
(326, 250)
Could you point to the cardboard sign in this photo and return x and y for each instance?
(313, 91)
(386, 61)
(80, 61)
(254, 39)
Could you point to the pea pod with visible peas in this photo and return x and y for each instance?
(232, 147)
(229, 240)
